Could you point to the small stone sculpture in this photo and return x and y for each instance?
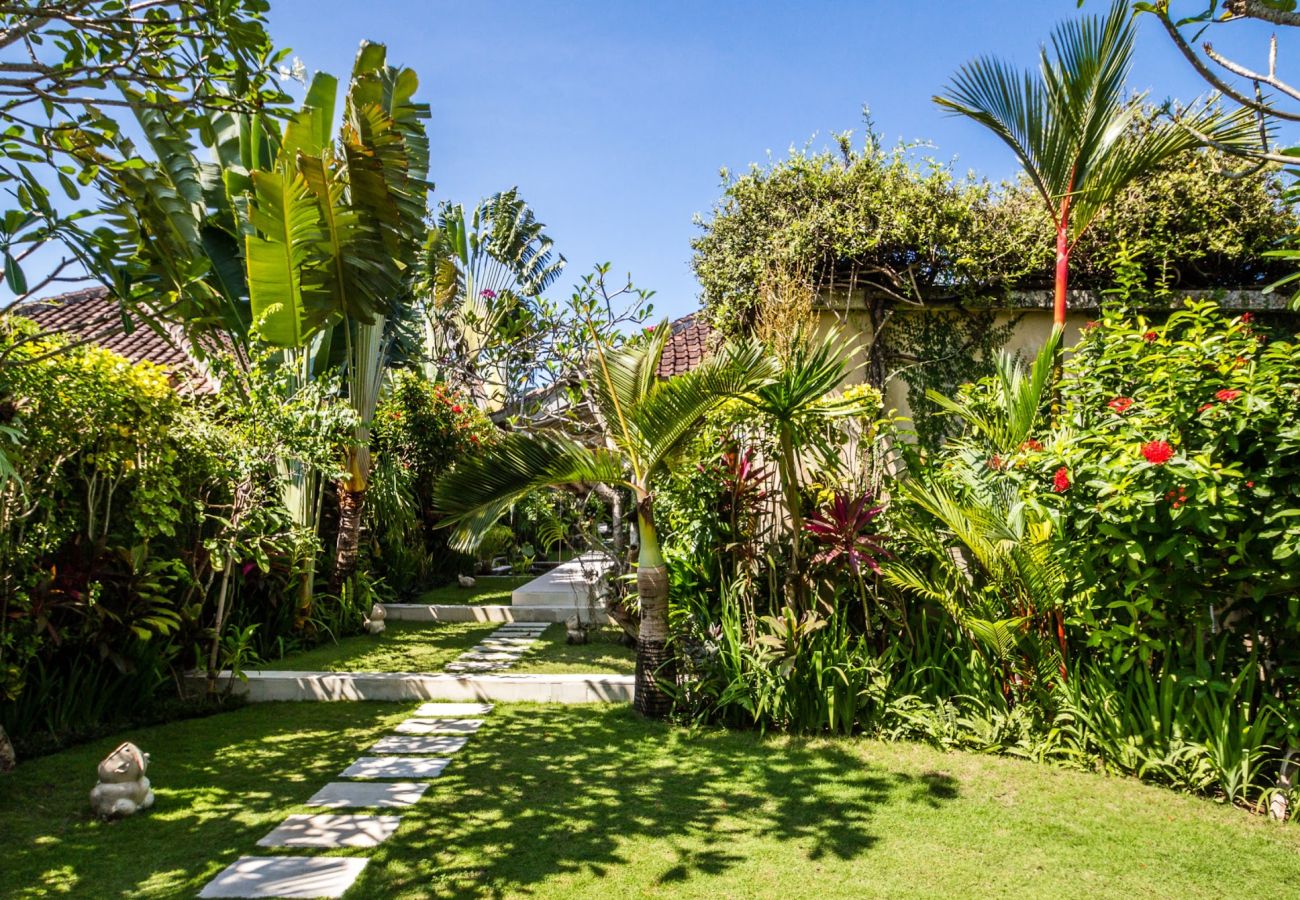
(123, 788)
(575, 631)
(375, 624)
(466, 581)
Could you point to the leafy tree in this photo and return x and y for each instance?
(1071, 128)
(645, 420)
(69, 67)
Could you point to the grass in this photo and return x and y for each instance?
(488, 589)
(555, 801)
(602, 654)
(403, 647)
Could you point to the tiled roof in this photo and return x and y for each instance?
(91, 313)
(687, 347)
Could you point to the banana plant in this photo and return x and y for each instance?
(645, 421)
(337, 228)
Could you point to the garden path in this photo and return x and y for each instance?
(395, 773)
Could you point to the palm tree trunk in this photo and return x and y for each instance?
(656, 668)
(352, 505)
(1062, 264)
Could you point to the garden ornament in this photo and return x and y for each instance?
(575, 631)
(466, 581)
(375, 624)
(123, 788)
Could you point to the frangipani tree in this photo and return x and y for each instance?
(645, 422)
(1075, 127)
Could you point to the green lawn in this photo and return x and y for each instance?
(555, 802)
(403, 647)
(489, 589)
(603, 653)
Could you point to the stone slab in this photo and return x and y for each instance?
(368, 794)
(579, 584)
(286, 876)
(435, 743)
(434, 710)
(476, 667)
(503, 687)
(489, 656)
(396, 767)
(468, 612)
(438, 726)
(332, 831)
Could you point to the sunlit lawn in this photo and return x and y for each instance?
(603, 653)
(487, 589)
(402, 647)
(563, 801)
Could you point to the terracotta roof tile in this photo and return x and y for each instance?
(686, 349)
(90, 313)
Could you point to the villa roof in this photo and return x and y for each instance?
(687, 348)
(92, 315)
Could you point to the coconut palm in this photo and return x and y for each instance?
(1075, 129)
(645, 421)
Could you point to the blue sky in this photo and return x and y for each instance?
(614, 117)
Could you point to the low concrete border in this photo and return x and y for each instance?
(267, 686)
(457, 612)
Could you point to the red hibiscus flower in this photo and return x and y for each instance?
(457, 409)
(1227, 395)
(1061, 480)
(1158, 452)
(1121, 404)
(1150, 336)
(1033, 445)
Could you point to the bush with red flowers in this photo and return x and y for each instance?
(1184, 511)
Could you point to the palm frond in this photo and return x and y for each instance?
(480, 488)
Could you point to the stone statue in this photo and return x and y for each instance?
(123, 787)
(466, 581)
(375, 624)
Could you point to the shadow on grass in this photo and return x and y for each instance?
(542, 792)
(220, 782)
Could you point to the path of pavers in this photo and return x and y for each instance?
(395, 773)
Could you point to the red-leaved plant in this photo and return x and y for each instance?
(841, 529)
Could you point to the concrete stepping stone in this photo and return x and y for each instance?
(396, 767)
(286, 876)
(438, 743)
(332, 831)
(368, 794)
(471, 667)
(488, 656)
(507, 643)
(434, 710)
(439, 726)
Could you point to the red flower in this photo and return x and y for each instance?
(473, 438)
(1150, 336)
(488, 294)
(1227, 395)
(1247, 318)
(1061, 480)
(1204, 406)
(1090, 324)
(1033, 445)
(1158, 452)
(1121, 404)
(996, 462)
(1250, 484)
(456, 409)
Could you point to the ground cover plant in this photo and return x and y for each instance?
(554, 801)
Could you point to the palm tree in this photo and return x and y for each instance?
(484, 269)
(1073, 128)
(645, 421)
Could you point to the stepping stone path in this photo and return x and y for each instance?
(499, 650)
(435, 728)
